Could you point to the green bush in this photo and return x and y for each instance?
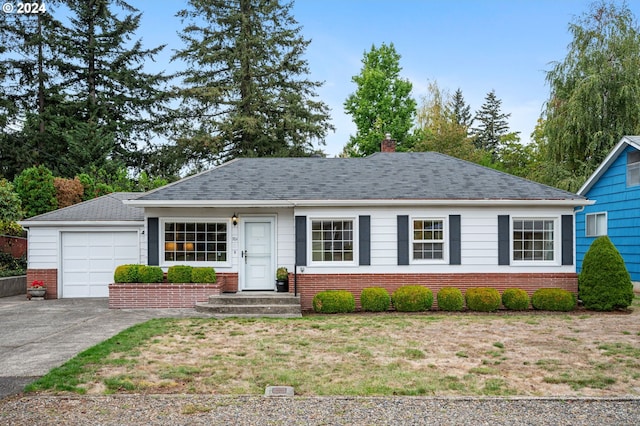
(203, 275)
(450, 299)
(412, 298)
(375, 299)
(150, 274)
(179, 274)
(483, 299)
(334, 302)
(35, 188)
(604, 283)
(10, 203)
(127, 274)
(515, 299)
(553, 299)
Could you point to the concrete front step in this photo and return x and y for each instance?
(251, 305)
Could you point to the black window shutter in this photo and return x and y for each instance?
(364, 249)
(301, 240)
(503, 240)
(454, 240)
(403, 240)
(567, 239)
(153, 241)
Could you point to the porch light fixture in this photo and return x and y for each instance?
(234, 219)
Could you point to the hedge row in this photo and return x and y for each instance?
(415, 298)
(154, 274)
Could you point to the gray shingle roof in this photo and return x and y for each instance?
(382, 176)
(106, 208)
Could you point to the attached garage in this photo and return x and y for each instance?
(76, 249)
(89, 259)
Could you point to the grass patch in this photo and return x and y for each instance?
(577, 382)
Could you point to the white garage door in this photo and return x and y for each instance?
(89, 259)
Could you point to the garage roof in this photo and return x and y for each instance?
(108, 208)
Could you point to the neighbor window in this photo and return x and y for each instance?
(596, 224)
(332, 240)
(633, 168)
(428, 239)
(533, 239)
(195, 241)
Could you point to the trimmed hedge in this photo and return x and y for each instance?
(515, 299)
(375, 299)
(553, 299)
(127, 274)
(179, 274)
(604, 283)
(150, 274)
(450, 299)
(483, 299)
(412, 298)
(203, 275)
(334, 302)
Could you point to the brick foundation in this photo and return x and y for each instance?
(228, 281)
(310, 284)
(160, 295)
(49, 277)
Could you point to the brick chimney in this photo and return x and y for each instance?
(388, 144)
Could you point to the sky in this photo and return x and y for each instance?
(474, 45)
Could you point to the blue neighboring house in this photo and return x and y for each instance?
(615, 188)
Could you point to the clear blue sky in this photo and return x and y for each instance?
(474, 45)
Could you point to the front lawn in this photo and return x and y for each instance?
(535, 354)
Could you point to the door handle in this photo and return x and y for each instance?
(244, 254)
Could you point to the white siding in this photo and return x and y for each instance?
(42, 248)
(479, 238)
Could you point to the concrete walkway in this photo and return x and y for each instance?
(38, 335)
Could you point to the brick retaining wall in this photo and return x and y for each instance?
(160, 295)
(310, 284)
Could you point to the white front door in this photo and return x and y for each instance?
(258, 255)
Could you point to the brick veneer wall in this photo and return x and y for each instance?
(229, 281)
(310, 284)
(48, 276)
(160, 295)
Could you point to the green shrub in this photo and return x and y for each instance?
(127, 274)
(150, 274)
(35, 188)
(515, 299)
(483, 299)
(203, 275)
(179, 274)
(375, 299)
(553, 299)
(333, 302)
(450, 299)
(412, 298)
(604, 283)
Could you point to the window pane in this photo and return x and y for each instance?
(428, 235)
(332, 240)
(533, 240)
(181, 246)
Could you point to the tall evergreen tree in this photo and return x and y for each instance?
(492, 125)
(595, 93)
(110, 105)
(381, 104)
(461, 110)
(245, 90)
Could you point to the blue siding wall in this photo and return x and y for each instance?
(622, 206)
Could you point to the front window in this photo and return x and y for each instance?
(533, 239)
(633, 168)
(596, 224)
(332, 240)
(195, 241)
(428, 239)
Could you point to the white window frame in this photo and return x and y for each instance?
(598, 232)
(444, 241)
(162, 241)
(557, 239)
(333, 263)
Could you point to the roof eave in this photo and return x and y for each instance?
(347, 203)
(606, 163)
(79, 223)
